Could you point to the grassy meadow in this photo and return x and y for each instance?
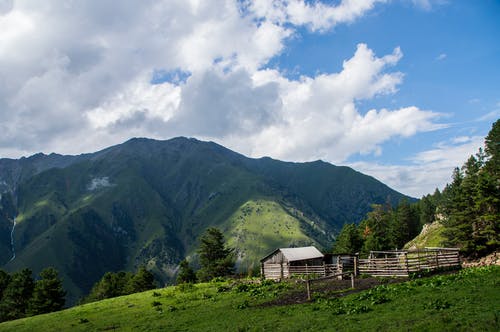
(468, 300)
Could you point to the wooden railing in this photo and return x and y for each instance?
(320, 270)
(393, 263)
(402, 263)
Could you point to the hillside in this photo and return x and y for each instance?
(465, 301)
(430, 236)
(147, 202)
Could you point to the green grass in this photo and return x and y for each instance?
(466, 301)
(431, 236)
(260, 226)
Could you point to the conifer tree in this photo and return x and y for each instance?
(215, 259)
(348, 241)
(186, 273)
(471, 203)
(4, 282)
(17, 295)
(141, 281)
(376, 234)
(48, 293)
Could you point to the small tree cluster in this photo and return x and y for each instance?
(22, 296)
(114, 284)
(383, 228)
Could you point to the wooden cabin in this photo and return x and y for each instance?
(284, 262)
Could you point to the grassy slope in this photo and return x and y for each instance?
(260, 226)
(467, 301)
(431, 236)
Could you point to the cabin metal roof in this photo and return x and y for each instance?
(297, 254)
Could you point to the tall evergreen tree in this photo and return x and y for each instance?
(215, 259)
(186, 273)
(348, 241)
(141, 281)
(111, 285)
(17, 295)
(4, 282)
(487, 227)
(400, 225)
(376, 229)
(48, 293)
(471, 203)
(458, 226)
(427, 207)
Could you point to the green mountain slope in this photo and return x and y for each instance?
(260, 225)
(147, 202)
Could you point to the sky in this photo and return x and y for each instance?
(403, 90)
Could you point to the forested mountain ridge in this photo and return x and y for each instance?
(147, 201)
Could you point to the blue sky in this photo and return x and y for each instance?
(403, 90)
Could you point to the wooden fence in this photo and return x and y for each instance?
(280, 271)
(379, 263)
(402, 263)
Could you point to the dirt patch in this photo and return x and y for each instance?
(329, 288)
(491, 259)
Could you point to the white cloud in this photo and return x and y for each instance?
(429, 169)
(316, 15)
(78, 71)
(441, 57)
(320, 118)
(428, 4)
(75, 77)
(491, 116)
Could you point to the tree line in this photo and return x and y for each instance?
(470, 204)
(384, 228)
(468, 208)
(22, 296)
(114, 284)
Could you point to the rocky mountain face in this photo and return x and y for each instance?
(146, 202)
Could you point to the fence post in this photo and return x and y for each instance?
(418, 259)
(352, 280)
(324, 269)
(356, 265)
(406, 263)
(308, 287)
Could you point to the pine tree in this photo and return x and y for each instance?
(487, 226)
(141, 281)
(376, 225)
(17, 295)
(458, 226)
(111, 285)
(215, 259)
(48, 293)
(427, 207)
(400, 225)
(471, 203)
(4, 282)
(348, 241)
(186, 273)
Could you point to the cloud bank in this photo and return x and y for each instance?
(76, 76)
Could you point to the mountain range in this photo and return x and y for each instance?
(146, 202)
